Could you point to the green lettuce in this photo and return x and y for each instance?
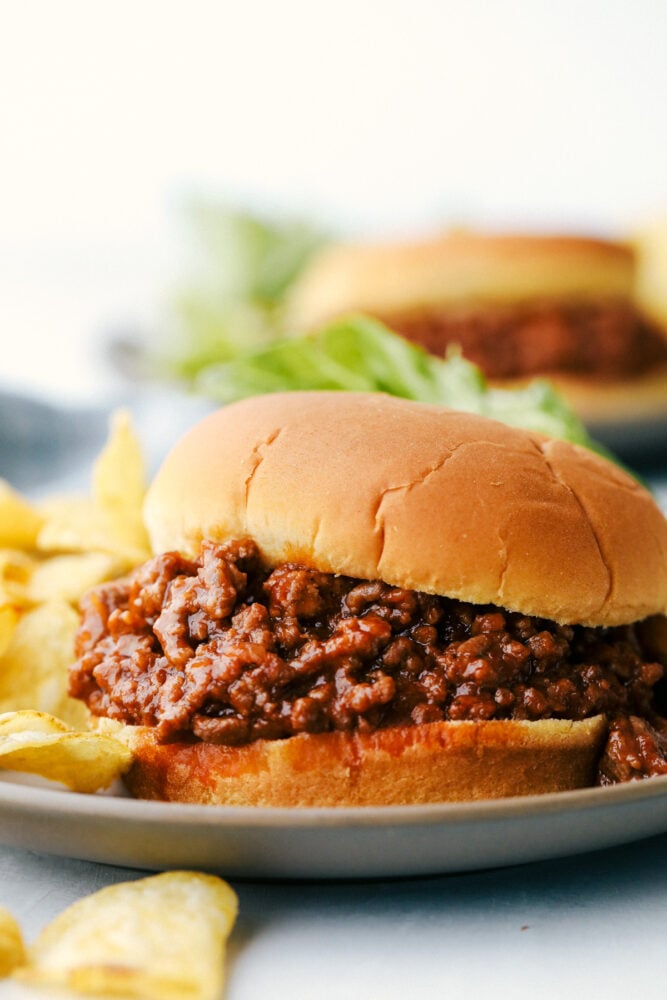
(360, 354)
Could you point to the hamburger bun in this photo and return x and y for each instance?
(436, 500)
(447, 503)
(462, 272)
(398, 278)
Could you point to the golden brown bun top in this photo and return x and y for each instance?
(396, 278)
(422, 497)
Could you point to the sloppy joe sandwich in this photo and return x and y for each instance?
(518, 306)
(358, 599)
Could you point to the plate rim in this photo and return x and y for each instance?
(30, 799)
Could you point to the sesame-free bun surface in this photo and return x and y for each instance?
(434, 762)
(430, 499)
(461, 267)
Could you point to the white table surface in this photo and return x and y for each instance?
(590, 926)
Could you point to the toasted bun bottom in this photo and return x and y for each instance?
(410, 765)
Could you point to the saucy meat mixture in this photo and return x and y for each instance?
(223, 650)
(604, 340)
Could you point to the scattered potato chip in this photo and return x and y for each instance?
(9, 616)
(77, 524)
(119, 474)
(19, 520)
(35, 722)
(68, 577)
(12, 951)
(159, 938)
(16, 568)
(39, 744)
(34, 667)
(111, 520)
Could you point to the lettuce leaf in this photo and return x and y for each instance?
(362, 355)
(227, 337)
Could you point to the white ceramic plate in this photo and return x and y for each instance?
(328, 843)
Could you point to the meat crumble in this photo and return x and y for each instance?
(604, 340)
(224, 650)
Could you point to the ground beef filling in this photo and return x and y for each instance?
(222, 650)
(604, 340)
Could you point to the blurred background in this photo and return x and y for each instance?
(384, 118)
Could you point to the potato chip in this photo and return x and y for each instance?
(36, 722)
(111, 520)
(68, 577)
(19, 520)
(12, 950)
(34, 667)
(159, 938)
(85, 762)
(77, 524)
(9, 616)
(119, 474)
(16, 569)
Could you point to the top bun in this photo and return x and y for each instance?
(398, 278)
(421, 497)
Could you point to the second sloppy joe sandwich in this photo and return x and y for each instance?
(358, 599)
(517, 305)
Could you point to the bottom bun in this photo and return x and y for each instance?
(598, 402)
(433, 762)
